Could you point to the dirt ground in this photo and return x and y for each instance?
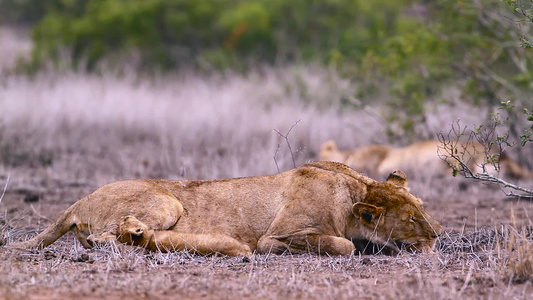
(467, 263)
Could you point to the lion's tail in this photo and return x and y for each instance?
(52, 233)
(513, 169)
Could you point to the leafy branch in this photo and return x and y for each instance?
(525, 9)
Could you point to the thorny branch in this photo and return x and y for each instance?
(460, 155)
(286, 138)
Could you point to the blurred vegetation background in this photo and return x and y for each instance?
(405, 53)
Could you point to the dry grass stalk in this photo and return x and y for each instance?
(517, 265)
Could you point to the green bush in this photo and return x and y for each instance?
(171, 33)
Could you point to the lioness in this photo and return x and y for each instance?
(380, 160)
(319, 207)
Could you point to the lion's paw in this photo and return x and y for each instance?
(131, 225)
(102, 238)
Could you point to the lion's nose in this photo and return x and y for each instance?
(438, 230)
(436, 233)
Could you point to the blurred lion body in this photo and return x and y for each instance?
(421, 157)
(319, 207)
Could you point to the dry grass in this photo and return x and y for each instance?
(62, 136)
(517, 243)
(65, 271)
(178, 121)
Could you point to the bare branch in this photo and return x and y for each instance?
(286, 138)
(491, 178)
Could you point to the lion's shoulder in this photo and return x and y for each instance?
(338, 168)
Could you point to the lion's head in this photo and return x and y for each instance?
(330, 152)
(393, 217)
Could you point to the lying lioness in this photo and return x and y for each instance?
(319, 207)
(421, 157)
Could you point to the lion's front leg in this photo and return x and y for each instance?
(267, 245)
(305, 243)
(333, 245)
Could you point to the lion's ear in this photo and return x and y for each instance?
(367, 213)
(329, 146)
(398, 177)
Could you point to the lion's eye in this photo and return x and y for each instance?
(412, 219)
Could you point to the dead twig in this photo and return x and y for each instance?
(286, 138)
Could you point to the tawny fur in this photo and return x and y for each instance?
(319, 207)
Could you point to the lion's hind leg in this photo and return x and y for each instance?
(135, 232)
